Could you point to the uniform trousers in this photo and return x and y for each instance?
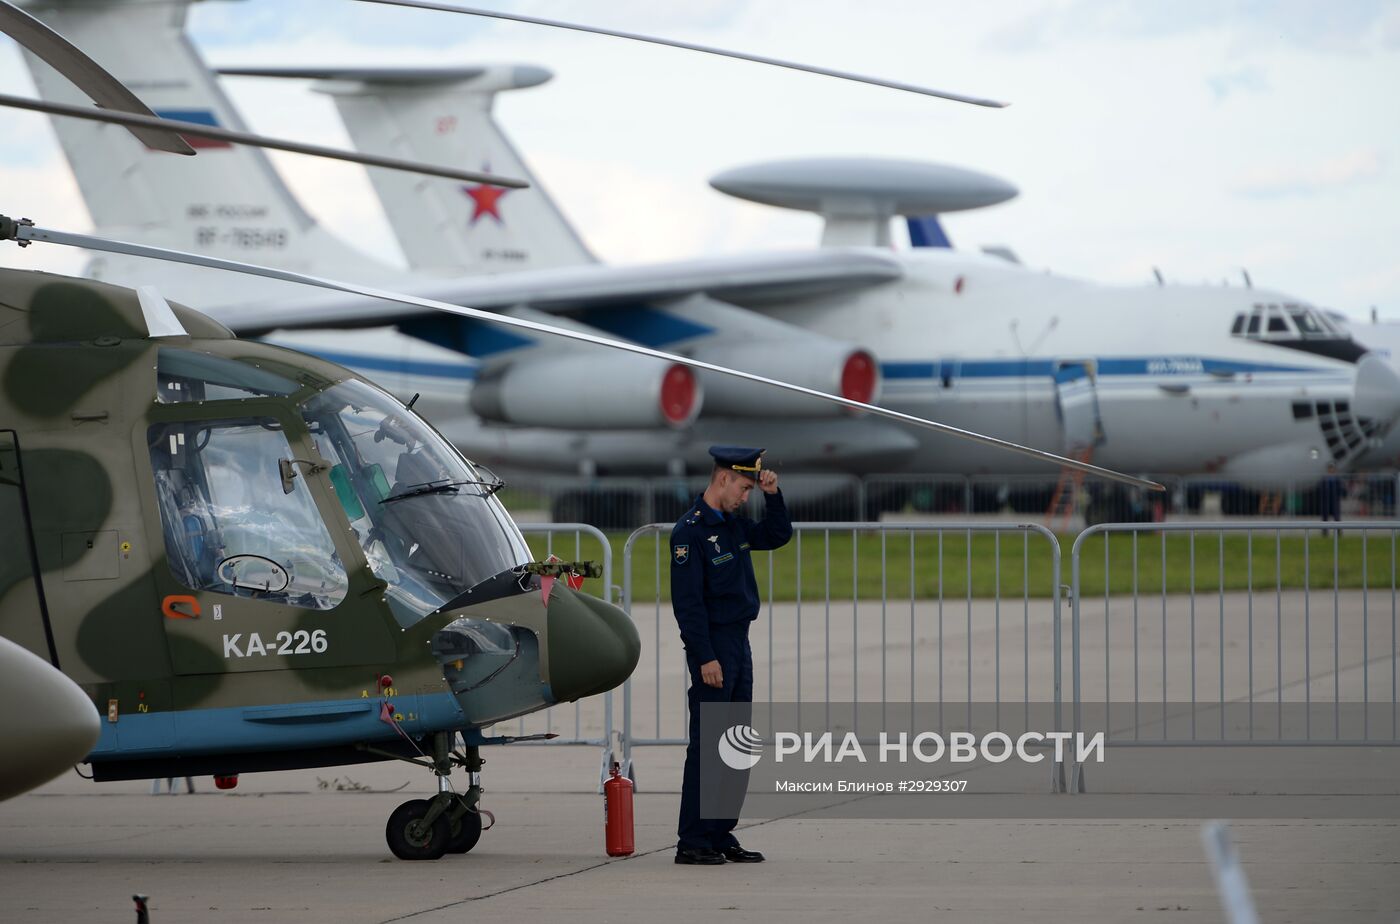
(731, 646)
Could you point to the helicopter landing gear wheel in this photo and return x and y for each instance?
(411, 837)
(465, 833)
(425, 829)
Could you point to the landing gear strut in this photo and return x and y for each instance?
(425, 829)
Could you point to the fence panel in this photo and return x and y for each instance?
(889, 613)
(1275, 633)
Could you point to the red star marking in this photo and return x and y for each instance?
(486, 201)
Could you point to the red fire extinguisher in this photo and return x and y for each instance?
(617, 814)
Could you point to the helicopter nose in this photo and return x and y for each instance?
(1377, 390)
(593, 646)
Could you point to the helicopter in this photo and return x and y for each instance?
(253, 559)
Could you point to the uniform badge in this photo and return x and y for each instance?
(680, 554)
(715, 540)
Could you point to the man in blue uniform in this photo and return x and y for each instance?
(715, 597)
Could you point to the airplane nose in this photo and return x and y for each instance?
(593, 646)
(1377, 390)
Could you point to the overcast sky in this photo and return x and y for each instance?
(1197, 136)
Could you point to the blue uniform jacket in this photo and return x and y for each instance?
(712, 579)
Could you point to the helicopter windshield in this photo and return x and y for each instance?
(425, 516)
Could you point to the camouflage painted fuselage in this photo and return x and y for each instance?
(223, 679)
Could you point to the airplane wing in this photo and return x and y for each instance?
(746, 279)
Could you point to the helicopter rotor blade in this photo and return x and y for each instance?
(262, 141)
(86, 74)
(26, 232)
(691, 46)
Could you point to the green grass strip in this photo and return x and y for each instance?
(1026, 563)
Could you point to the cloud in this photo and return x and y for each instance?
(1245, 79)
(642, 16)
(1353, 168)
(238, 25)
(638, 227)
(1377, 284)
(45, 191)
(1345, 28)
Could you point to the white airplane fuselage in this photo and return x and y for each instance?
(1151, 375)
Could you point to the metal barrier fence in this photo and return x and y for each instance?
(930, 592)
(1061, 503)
(1075, 506)
(1276, 649)
(1276, 633)
(594, 725)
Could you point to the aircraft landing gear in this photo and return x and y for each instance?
(425, 829)
(412, 836)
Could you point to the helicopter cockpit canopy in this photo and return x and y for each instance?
(425, 517)
(189, 375)
(238, 517)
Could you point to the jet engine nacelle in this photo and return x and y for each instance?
(817, 363)
(589, 390)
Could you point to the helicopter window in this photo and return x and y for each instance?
(188, 375)
(229, 525)
(425, 517)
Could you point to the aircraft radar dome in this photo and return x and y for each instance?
(859, 195)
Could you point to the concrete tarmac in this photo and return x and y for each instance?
(309, 846)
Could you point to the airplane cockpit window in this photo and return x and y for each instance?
(1309, 323)
(1285, 323)
(189, 375)
(230, 527)
(426, 518)
(1302, 328)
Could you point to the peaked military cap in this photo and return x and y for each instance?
(742, 459)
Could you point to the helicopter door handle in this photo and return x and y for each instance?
(180, 606)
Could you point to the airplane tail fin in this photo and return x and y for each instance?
(927, 231)
(444, 115)
(227, 201)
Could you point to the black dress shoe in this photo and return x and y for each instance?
(737, 854)
(699, 856)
